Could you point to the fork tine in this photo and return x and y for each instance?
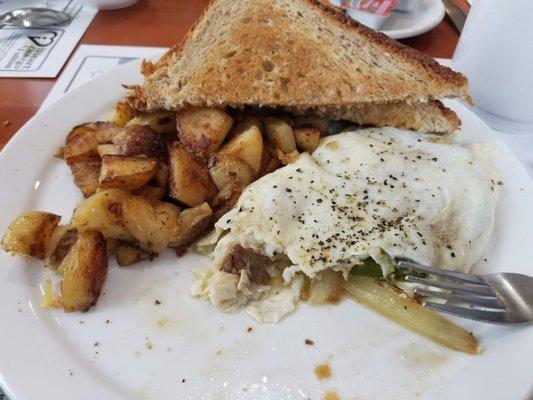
(456, 287)
(440, 272)
(493, 316)
(482, 301)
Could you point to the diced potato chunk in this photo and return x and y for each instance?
(248, 146)
(269, 161)
(280, 134)
(244, 124)
(287, 158)
(226, 169)
(307, 138)
(161, 176)
(82, 142)
(83, 271)
(127, 173)
(105, 149)
(202, 130)
(191, 223)
(30, 234)
(122, 114)
(140, 141)
(130, 253)
(153, 223)
(320, 123)
(102, 212)
(60, 244)
(225, 200)
(153, 192)
(86, 174)
(189, 180)
(112, 246)
(163, 122)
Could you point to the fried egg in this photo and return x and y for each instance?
(377, 192)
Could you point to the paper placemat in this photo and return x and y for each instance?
(41, 53)
(90, 61)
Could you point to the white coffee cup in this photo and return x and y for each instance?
(108, 4)
(495, 52)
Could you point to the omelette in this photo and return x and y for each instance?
(371, 194)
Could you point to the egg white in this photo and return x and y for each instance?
(377, 192)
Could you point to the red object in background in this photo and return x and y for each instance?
(378, 7)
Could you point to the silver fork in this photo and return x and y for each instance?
(502, 298)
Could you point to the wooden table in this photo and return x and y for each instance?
(157, 23)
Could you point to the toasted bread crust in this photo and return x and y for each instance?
(410, 55)
(431, 117)
(300, 54)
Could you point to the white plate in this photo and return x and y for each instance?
(423, 18)
(52, 355)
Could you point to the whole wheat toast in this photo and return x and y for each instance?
(302, 56)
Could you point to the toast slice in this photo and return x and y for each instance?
(300, 55)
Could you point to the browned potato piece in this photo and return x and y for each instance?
(161, 176)
(82, 142)
(320, 123)
(153, 192)
(84, 271)
(86, 174)
(62, 241)
(226, 169)
(248, 146)
(152, 223)
(102, 212)
(112, 246)
(244, 124)
(163, 122)
(225, 200)
(128, 173)
(140, 141)
(280, 134)
(269, 161)
(287, 158)
(122, 114)
(189, 180)
(131, 253)
(191, 223)
(30, 234)
(202, 130)
(307, 138)
(105, 149)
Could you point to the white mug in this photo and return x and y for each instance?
(495, 52)
(108, 4)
